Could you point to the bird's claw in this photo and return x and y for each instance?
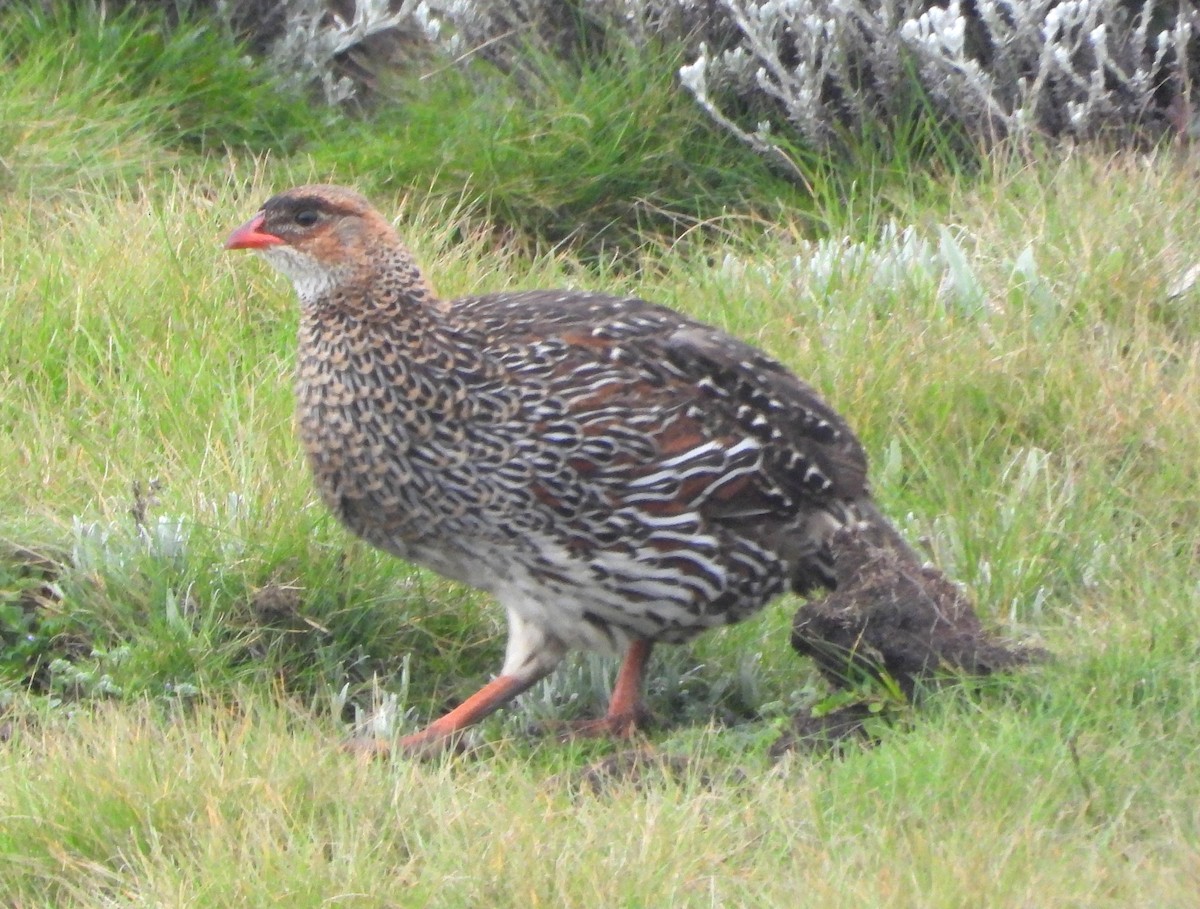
(625, 725)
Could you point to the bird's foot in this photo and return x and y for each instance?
(623, 725)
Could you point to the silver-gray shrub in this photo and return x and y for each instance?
(811, 70)
(783, 74)
(1000, 68)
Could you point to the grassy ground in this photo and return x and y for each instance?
(185, 636)
(1029, 393)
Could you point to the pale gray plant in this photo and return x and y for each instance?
(780, 74)
(502, 29)
(387, 715)
(314, 36)
(100, 546)
(901, 261)
(811, 70)
(1006, 68)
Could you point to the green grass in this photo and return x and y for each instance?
(184, 750)
(594, 156)
(93, 100)
(1025, 383)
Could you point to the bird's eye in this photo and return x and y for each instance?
(306, 217)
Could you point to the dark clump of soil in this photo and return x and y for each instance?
(891, 614)
(893, 620)
(277, 617)
(278, 606)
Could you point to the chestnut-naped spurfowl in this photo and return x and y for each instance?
(614, 473)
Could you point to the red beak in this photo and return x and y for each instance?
(249, 236)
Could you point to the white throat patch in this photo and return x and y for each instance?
(311, 279)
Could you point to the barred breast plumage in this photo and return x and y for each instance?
(615, 473)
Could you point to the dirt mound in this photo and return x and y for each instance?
(893, 620)
(890, 614)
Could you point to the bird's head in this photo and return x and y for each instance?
(320, 237)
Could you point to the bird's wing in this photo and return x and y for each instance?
(672, 409)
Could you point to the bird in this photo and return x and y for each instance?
(615, 474)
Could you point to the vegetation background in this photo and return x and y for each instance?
(1010, 323)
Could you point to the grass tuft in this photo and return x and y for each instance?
(596, 157)
(93, 100)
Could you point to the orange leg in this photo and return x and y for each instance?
(626, 712)
(439, 735)
(625, 709)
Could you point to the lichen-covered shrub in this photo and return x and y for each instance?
(786, 73)
(345, 45)
(993, 68)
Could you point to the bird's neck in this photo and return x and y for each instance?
(397, 315)
(385, 285)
